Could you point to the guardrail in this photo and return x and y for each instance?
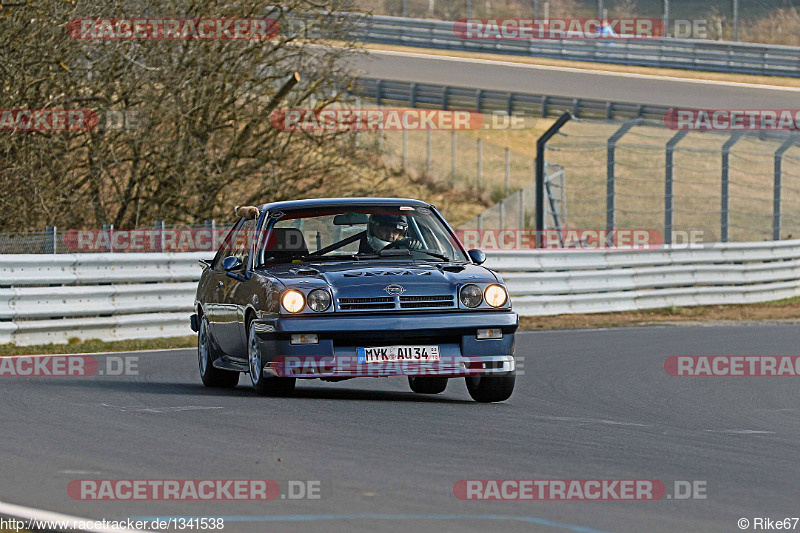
(693, 54)
(50, 299)
(450, 97)
(554, 282)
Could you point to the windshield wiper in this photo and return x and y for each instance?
(395, 252)
(437, 255)
(401, 252)
(337, 257)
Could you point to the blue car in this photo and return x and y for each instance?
(335, 289)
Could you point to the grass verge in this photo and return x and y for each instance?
(781, 310)
(98, 346)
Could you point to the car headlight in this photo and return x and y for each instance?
(319, 300)
(495, 295)
(293, 301)
(471, 295)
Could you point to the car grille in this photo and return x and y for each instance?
(418, 302)
(380, 302)
(401, 302)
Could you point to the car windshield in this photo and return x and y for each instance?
(405, 233)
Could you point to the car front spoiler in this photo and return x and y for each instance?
(340, 337)
(346, 367)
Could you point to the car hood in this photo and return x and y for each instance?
(381, 277)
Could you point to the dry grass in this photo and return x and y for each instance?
(98, 346)
(780, 26)
(780, 311)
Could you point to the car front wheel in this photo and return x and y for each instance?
(487, 389)
(206, 354)
(264, 386)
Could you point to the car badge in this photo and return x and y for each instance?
(395, 289)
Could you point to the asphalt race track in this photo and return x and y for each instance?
(502, 75)
(590, 405)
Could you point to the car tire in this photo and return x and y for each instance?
(427, 385)
(264, 386)
(488, 389)
(206, 355)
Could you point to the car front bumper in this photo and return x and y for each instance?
(335, 355)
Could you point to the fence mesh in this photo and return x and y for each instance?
(640, 173)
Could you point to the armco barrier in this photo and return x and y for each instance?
(391, 92)
(693, 54)
(554, 282)
(52, 298)
(107, 328)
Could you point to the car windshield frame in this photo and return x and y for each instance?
(425, 222)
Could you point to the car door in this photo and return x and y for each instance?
(234, 295)
(213, 305)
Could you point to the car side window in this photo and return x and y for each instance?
(243, 239)
(226, 247)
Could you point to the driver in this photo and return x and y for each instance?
(383, 230)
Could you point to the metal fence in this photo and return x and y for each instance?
(692, 54)
(517, 210)
(706, 186)
(160, 237)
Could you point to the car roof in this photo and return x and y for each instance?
(341, 202)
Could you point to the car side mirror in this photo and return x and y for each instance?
(477, 256)
(231, 263)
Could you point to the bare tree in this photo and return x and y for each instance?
(183, 128)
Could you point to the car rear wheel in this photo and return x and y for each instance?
(264, 386)
(427, 385)
(206, 355)
(487, 389)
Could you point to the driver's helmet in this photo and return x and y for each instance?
(385, 229)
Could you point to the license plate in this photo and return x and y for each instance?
(379, 354)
